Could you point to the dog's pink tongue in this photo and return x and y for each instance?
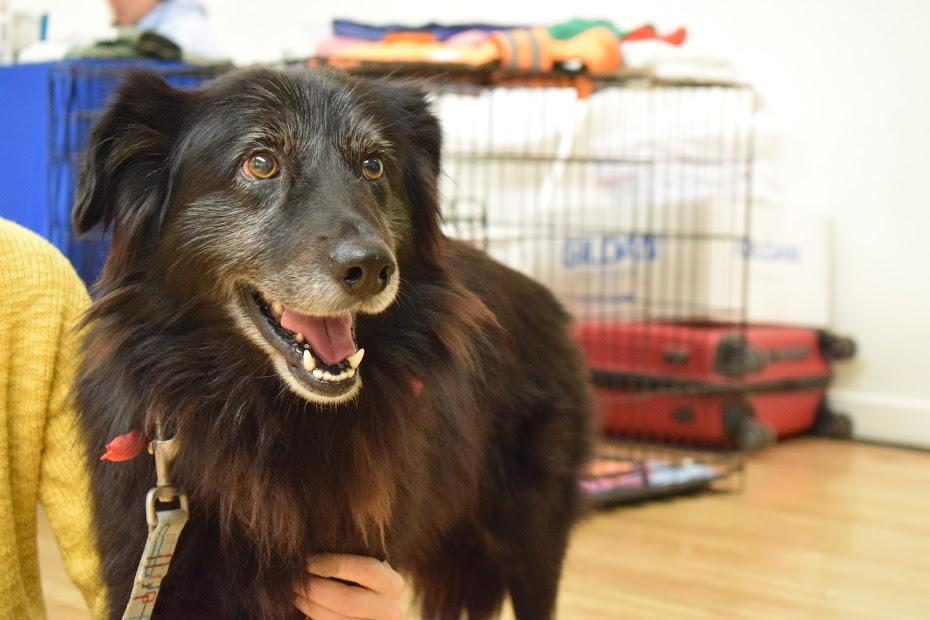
(330, 337)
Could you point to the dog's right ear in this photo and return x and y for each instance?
(123, 177)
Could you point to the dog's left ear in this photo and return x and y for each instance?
(123, 178)
(419, 145)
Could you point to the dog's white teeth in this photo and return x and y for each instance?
(277, 308)
(299, 337)
(324, 375)
(356, 358)
(342, 376)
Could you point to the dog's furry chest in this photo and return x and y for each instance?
(252, 529)
(356, 481)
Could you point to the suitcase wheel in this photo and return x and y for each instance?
(835, 425)
(743, 428)
(754, 435)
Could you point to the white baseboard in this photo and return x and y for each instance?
(880, 417)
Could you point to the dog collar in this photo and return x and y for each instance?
(129, 446)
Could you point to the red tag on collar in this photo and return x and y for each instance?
(125, 447)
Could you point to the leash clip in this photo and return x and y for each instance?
(164, 451)
(165, 527)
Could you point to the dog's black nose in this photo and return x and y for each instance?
(363, 269)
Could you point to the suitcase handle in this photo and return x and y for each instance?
(788, 354)
(675, 356)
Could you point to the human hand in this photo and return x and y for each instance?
(378, 595)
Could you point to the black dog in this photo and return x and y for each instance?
(264, 228)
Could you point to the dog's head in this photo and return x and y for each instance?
(288, 202)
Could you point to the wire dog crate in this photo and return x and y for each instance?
(49, 120)
(632, 205)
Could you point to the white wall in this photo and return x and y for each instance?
(848, 82)
(68, 18)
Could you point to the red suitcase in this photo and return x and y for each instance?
(711, 384)
(748, 421)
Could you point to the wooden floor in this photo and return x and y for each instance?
(823, 530)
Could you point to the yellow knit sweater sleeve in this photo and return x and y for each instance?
(42, 451)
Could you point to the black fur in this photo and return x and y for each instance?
(469, 487)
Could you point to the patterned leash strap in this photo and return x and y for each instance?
(165, 527)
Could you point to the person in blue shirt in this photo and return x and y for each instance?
(183, 21)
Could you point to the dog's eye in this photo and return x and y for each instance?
(260, 166)
(372, 168)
